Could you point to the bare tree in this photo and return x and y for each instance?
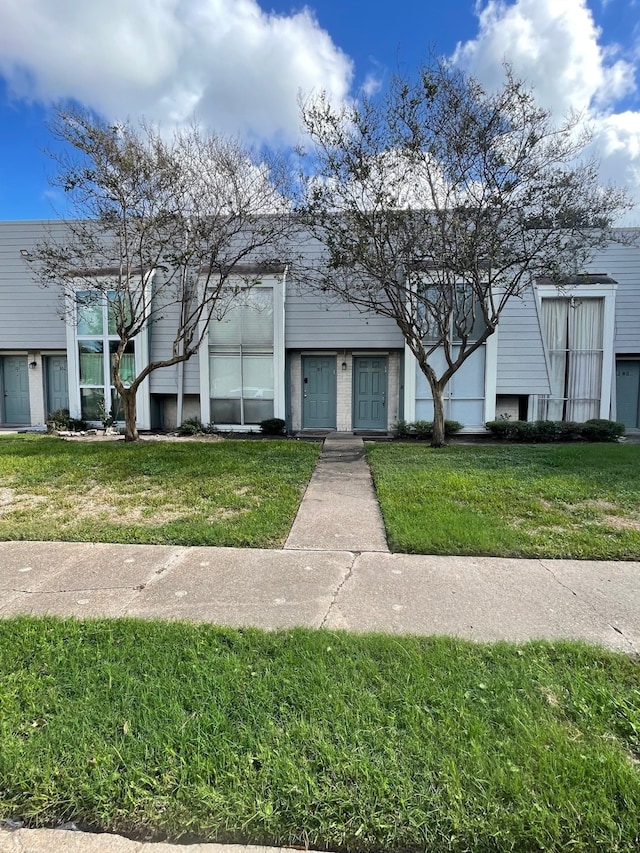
(438, 202)
(162, 229)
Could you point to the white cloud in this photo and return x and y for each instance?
(227, 62)
(555, 46)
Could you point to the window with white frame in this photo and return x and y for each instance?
(574, 333)
(241, 360)
(464, 309)
(97, 342)
(464, 396)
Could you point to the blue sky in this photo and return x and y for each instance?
(238, 65)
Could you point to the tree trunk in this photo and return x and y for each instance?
(129, 400)
(437, 436)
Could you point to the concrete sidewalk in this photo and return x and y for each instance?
(335, 572)
(478, 598)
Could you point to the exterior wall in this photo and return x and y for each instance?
(344, 387)
(508, 406)
(37, 403)
(622, 263)
(521, 365)
(31, 317)
(32, 325)
(470, 403)
(313, 321)
(166, 380)
(167, 408)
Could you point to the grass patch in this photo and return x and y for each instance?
(235, 493)
(573, 501)
(359, 743)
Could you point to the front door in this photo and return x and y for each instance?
(57, 383)
(318, 392)
(15, 386)
(628, 393)
(370, 393)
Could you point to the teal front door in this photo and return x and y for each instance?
(15, 386)
(318, 392)
(370, 393)
(57, 383)
(628, 393)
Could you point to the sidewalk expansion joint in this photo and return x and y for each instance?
(355, 555)
(588, 605)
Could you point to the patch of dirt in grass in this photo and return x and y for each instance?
(224, 513)
(10, 502)
(550, 696)
(111, 505)
(608, 514)
(596, 504)
(620, 522)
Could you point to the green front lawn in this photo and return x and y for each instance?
(357, 743)
(575, 501)
(236, 493)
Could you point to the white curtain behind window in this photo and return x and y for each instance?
(554, 315)
(574, 335)
(585, 360)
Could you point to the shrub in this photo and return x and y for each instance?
(423, 430)
(507, 430)
(61, 420)
(546, 431)
(272, 426)
(598, 429)
(502, 429)
(402, 428)
(570, 431)
(194, 426)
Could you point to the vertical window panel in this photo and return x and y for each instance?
(91, 362)
(241, 371)
(89, 313)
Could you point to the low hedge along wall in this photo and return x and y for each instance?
(544, 431)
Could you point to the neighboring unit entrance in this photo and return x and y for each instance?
(57, 383)
(15, 386)
(628, 393)
(318, 392)
(370, 393)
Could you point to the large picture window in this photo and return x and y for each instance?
(241, 373)
(574, 332)
(97, 344)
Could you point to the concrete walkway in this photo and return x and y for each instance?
(335, 572)
(339, 511)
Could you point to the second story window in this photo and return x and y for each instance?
(241, 371)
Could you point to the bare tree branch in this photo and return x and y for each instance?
(438, 202)
(163, 228)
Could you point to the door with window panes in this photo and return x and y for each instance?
(97, 344)
(241, 374)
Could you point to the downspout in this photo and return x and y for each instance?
(180, 365)
(179, 401)
(285, 367)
